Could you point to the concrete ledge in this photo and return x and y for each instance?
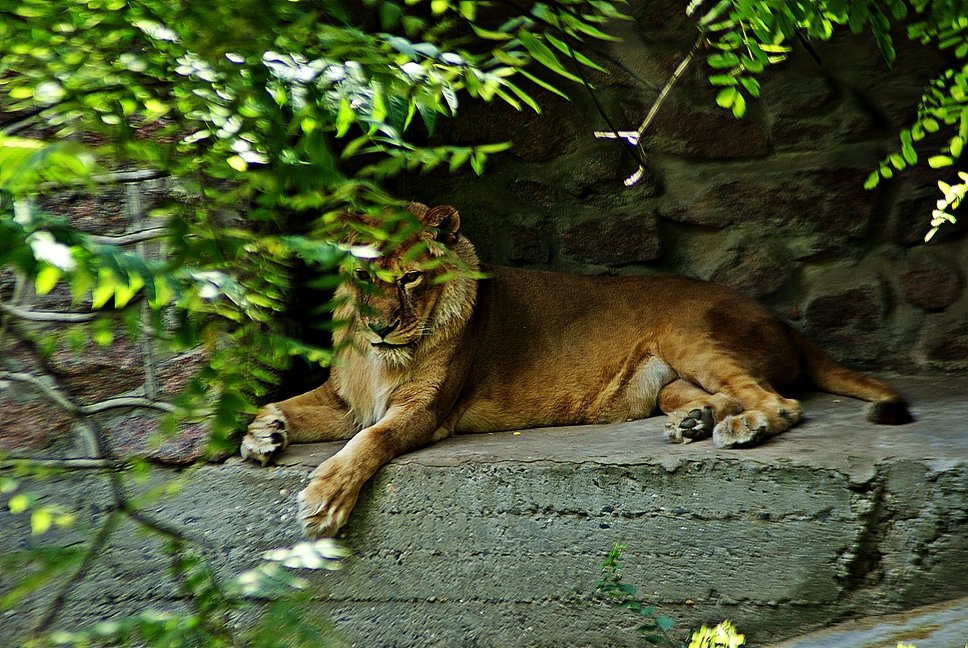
(495, 540)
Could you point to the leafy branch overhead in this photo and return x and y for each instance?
(748, 36)
(742, 38)
(286, 114)
(264, 123)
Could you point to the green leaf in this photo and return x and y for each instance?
(723, 80)
(544, 84)
(722, 60)
(41, 520)
(46, 279)
(727, 97)
(488, 34)
(237, 163)
(19, 503)
(104, 289)
(956, 145)
(7, 485)
(664, 622)
(939, 161)
(752, 85)
(739, 105)
(102, 331)
(344, 117)
(562, 47)
(523, 96)
(543, 54)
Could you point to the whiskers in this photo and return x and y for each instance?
(395, 356)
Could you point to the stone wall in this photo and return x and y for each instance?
(52, 374)
(772, 204)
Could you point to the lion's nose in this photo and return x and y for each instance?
(382, 328)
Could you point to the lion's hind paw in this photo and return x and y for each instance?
(743, 430)
(266, 436)
(696, 424)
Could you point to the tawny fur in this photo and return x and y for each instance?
(419, 359)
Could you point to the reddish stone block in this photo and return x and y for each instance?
(613, 239)
(847, 323)
(139, 434)
(102, 213)
(757, 268)
(174, 373)
(930, 285)
(706, 132)
(96, 373)
(31, 425)
(943, 343)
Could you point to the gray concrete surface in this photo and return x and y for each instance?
(941, 624)
(495, 540)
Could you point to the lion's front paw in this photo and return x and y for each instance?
(741, 430)
(266, 435)
(325, 505)
(696, 424)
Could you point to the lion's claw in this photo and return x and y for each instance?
(266, 436)
(325, 504)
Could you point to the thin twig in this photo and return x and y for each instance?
(56, 395)
(47, 390)
(680, 69)
(637, 154)
(121, 402)
(101, 450)
(18, 289)
(46, 316)
(634, 139)
(139, 236)
(81, 463)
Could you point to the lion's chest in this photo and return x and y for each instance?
(367, 386)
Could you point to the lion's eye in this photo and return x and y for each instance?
(410, 277)
(362, 275)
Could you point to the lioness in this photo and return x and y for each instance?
(421, 358)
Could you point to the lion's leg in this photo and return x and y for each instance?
(766, 413)
(317, 415)
(692, 412)
(325, 504)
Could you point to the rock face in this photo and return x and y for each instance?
(773, 204)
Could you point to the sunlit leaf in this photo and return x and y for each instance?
(46, 279)
(41, 520)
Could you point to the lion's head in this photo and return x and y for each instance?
(419, 288)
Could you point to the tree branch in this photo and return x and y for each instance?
(82, 463)
(98, 543)
(46, 316)
(54, 394)
(139, 236)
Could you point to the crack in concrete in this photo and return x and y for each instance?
(860, 565)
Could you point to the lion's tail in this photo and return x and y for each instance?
(887, 405)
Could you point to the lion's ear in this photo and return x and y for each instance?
(445, 219)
